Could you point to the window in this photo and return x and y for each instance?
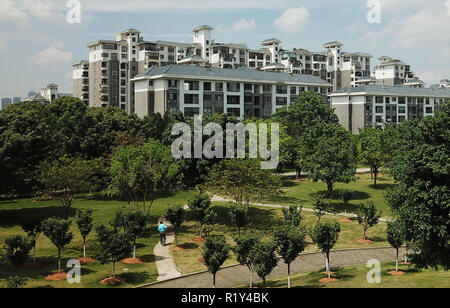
(219, 86)
(207, 86)
(233, 87)
(281, 89)
(379, 109)
(191, 99)
(173, 83)
(429, 110)
(150, 83)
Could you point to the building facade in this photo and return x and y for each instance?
(81, 81)
(196, 90)
(379, 105)
(392, 72)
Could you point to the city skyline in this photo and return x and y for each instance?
(405, 32)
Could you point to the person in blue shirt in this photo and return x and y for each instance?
(162, 232)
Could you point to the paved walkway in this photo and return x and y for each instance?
(358, 171)
(277, 206)
(163, 259)
(236, 276)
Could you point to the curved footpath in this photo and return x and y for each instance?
(235, 276)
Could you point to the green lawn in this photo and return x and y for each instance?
(355, 277)
(12, 212)
(301, 191)
(263, 220)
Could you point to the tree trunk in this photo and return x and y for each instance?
(330, 189)
(114, 269)
(297, 173)
(371, 172)
(375, 176)
(396, 262)
(134, 251)
(59, 260)
(264, 282)
(214, 281)
(328, 265)
(34, 252)
(289, 275)
(365, 230)
(84, 248)
(251, 278)
(176, 238)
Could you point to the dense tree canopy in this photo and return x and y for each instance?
(421, 200)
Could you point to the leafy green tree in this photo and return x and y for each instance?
(320, 208)
(368, 216)
(16, 282)
(329, 154)
(244, 180)
(264, 259)
(84, 219)
(290, 244)
(67, 175)
(209, 221)
(244, 245)
(396, 237)
(199, 204)
(346, 196)
(114, 246)
(421, 168)
(215, 252)
(18, 248)
(325, 236)
(239, 216)
(133, 222)
(372, 149)
(175, 215)
(293, 215)
(33, 228)
(142, 173)
(57, 231)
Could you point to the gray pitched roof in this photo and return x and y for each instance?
(394, 91)
(240, 73)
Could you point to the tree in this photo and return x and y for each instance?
(114, 246)
(33, 227)
(346, 196)
(290, 243)
(133, 222)
(84, 219)
(239, 216)
(67, 175)
(58, 233)
(372, 149)
(244, 245)
(244, 180)
(198, 205)
(175, 215)
(325, 236)
(329, 154)
(18, 248)
(264, 259)
(421, 167)
(16, 282)
(396, 237)
(368, 216)
(142, 173)
(293, 215)
(215, 253)
(320, 208)
(209, 221)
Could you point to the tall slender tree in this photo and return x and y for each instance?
(84, 219)
(325, 236)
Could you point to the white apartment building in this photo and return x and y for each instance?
(195, 90)
(379, 105)
(81, 81)
(391, 72)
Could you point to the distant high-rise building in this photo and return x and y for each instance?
(5, 102)
(16, 99)
(31, 93)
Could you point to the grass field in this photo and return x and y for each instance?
(355, 277)
(263, 220)
(12, 212)
(302, 191)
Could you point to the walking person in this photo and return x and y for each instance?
(162, 232)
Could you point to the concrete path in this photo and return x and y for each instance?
(277, 206)
(358, 171)
(163, 259)
(236, 276)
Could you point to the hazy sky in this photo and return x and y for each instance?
(38, 45)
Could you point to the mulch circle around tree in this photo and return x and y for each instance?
(345, 220)
(361, 241)
(394, 273)
(112, 281)
(201, 260)
(57, 276)
(198, 240)
(178, 248)
(132, 261)
(328, 280)
(84, 261)
(405, 263)
(326, 273)
(32, 264)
